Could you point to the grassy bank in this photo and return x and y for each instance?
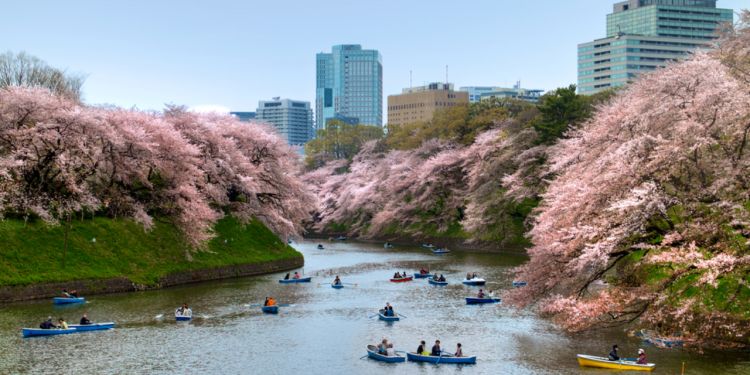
(103, 248)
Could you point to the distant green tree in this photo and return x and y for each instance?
(339, 140)
(560, 109)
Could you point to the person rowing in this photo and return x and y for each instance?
(388, 310)
(641, 357)
(286, 277)
(480, 294)
(459, 351)
(436, 350)
(423, 271)
(184, 310)
(613, 356)
(47, 324)
(70, 294)
(383, 347)
(442, 278)
(296, 275)
(269, 302)
(85, 320)
(62, 324)
(337, 280)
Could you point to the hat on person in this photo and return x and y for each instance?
(640, 351)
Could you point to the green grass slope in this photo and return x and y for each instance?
(105, 248)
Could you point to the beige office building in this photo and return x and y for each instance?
(420, 103)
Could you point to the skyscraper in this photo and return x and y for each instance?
(293, 119)
(349, 85)
(643, 35)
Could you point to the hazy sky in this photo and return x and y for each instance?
(234, 53)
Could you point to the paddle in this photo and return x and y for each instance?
(349, 284)
(439, 358)
(364, 356)
(372, 316)
(285, 305)
(402, 315)
(253, 305)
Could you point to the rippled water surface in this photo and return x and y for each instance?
(325, 331)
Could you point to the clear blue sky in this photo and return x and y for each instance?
(146, 53)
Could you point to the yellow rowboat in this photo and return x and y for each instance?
(602, 362)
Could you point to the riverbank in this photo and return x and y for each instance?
(116, 255)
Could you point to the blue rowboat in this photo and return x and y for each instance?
(337, 286)
(270, 309)
(92, 326)
(182, 318)
(372, 352)
(478, 301)
(445, 358)
(68, 300)
(292, 281)
(519, 284)
(32, 332)
(422, 275)
(475, 281)
(440, 251)
(439, 283)
(384, 318)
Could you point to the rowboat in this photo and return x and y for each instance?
(270, 309)
(292, 281)
(439, 283)
(68, 300)
(381, 315)
(320, 247)
(519, 284)
(478, 301)
(602, 362)
(422, 275)
(92, 326)
(388, 245)
(445, 358)
(428, 245)
(475, 281)
(341, 238)
(31, 332)
(372, 352)
(402, 279)
(440, 251)
(337, 286)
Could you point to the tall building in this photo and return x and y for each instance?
(243, 116)
(349, 85)
(644, 35)
(293, 119)
(420, 103)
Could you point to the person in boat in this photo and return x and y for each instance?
(613, 356)
(85, 320)
(468, 276)
(474, 275)
(397, 275)
(423, 271)
(389, 351)
(459, 351)
(435, 277)
(296, 276)
(62, 324)
(337, 280)
(491, 294)
(70, 294)
(436, 350)
(641, 357)
(480, 294)
(442, 278)
(383, 347)
(286, 277)
(320, 246)
(388, 309)
(47, 324)
(422, 348)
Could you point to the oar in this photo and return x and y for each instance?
(364, 356)
(402, 315)
(253, 305)
(372, 316)
(285, 305)
(439, 358)
(350, 284)
(159, 316)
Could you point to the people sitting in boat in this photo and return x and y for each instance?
(296, 275)
(491, 294)
(47, 324)
(422, 349)
(337, 281)
(423, 271)
(459, 351)
(388, 309)
(468, 276)
(70, 294)
(270, 301)
(480, 294)
(320, 246)
(641, 357)
(389, 351)
(397, 275)
(62, 324)
(286, 277)
(613, 356)
(85, 320)
(184, 310)
(436, 350)
(442, 278)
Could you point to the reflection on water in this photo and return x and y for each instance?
(325, 331)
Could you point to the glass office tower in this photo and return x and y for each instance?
(349, 85)
(644, 35)
(293, 119)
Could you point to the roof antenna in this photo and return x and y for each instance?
(446, 74)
